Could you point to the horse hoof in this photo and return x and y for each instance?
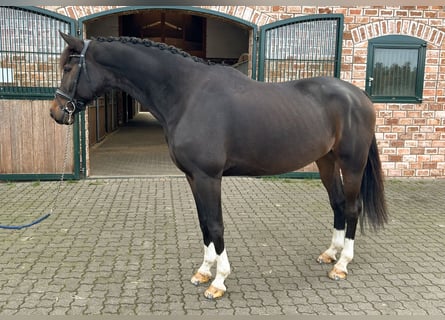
(325, 259)
(213, 293)
(336, 274)
(200, 278)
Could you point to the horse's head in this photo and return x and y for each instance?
(77, 87)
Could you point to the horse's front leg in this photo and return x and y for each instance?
(204, 273)
(207, 194)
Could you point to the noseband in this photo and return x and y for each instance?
(74, 104)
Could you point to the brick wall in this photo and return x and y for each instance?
(411, 137)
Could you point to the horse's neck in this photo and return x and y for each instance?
(152, 77)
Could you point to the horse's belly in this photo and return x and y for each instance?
(270, 164)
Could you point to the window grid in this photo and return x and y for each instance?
(301, 49)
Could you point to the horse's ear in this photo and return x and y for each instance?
(74, 43)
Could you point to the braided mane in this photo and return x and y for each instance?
(153, 44)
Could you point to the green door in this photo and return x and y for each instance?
(297, 48)
(30, 47)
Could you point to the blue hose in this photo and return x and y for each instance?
(25, 225)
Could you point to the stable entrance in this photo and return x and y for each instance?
(214, 38)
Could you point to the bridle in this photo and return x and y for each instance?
(71, 105)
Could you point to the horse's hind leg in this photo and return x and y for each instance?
(207, 194)
(352, 208)
(343, 194)
(330, 176)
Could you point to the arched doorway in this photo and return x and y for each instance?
(210, 35)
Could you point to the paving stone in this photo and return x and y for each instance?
(130, 246)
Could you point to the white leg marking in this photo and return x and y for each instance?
(347, 254)
(222, 271)
(209, 259)
(337, 244)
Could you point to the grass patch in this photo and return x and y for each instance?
(95, 183)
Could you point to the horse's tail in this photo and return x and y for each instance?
(372, 190)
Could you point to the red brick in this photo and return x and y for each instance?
(370, 12)
(389, 136)
(325, 10)
(405, 121)
(419, 136)
(412, 129)
(389, 151)
(423, 158)
(354, 11)
(402, 151)
(415, 13)
(433, 122)
(398, 129)
(401, 13)
(422, 173)
(431, 150)
(419, 121)
(408, 173)
(309, 10)
(402, 165)
(391, 121)
(396, 143)
(438, 144)
(394, 173)
(415, 165)
(417, 151)
(386, 13)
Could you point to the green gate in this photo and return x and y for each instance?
(301, 47)
(30, 47)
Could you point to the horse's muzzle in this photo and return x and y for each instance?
(60, 115)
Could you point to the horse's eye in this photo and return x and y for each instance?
(67, 68)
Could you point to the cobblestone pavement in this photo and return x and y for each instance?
(129, 247)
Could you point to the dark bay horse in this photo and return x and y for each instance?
(218, 122)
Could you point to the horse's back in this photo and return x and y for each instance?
(255, 128)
